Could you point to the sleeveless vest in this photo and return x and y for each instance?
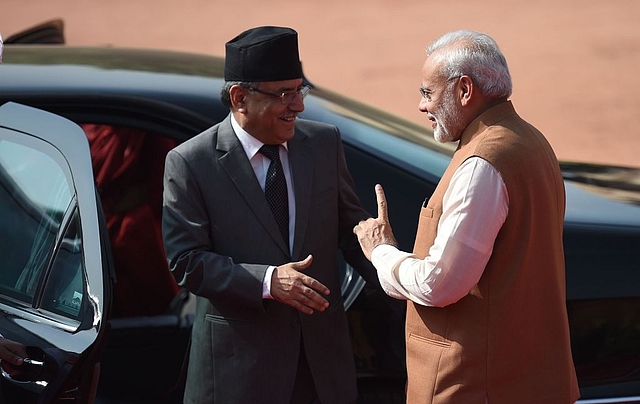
(507, 341)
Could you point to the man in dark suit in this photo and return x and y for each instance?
(270, 325)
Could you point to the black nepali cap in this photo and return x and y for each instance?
(263, 54)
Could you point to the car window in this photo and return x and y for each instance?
(64, 289)
(39, 231)
(604, 339)
(603, 304)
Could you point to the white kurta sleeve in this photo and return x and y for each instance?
(474, 208)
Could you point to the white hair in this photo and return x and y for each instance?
(475, 55)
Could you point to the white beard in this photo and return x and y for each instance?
(441, 134)
(448, 121)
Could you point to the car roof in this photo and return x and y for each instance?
(158, 75)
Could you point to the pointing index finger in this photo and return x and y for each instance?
(382, 203)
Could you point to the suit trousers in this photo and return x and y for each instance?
(304, 389)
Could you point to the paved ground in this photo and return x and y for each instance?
(574, 62)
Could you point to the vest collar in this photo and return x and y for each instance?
(487, 118)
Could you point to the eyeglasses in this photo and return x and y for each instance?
(427, 93)
(286, 96)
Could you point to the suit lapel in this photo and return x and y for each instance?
(301, 162)
(238, 168)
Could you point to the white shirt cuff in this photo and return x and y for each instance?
(266, 283)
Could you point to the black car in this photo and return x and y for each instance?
(65, 239)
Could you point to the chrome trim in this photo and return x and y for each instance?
(41, 317)
(351, 286)
(36, 386)
(610, 400)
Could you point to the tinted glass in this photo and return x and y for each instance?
(605, 335)
(65, 287)
(603, 303)
(35, 198)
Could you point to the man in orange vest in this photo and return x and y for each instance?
(485, 284)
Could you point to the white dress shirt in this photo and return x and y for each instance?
(474, 208)
(260, 165)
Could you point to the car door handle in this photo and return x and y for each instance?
(33, 362)
(32, 373)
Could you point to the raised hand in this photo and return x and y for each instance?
(375, 231)
(290, 286)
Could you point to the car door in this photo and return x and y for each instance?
(55, 276)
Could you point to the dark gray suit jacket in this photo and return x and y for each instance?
(220, 236)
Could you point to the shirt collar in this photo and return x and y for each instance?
(250, 144)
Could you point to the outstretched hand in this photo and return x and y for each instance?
(290, 286)
(375, 231)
